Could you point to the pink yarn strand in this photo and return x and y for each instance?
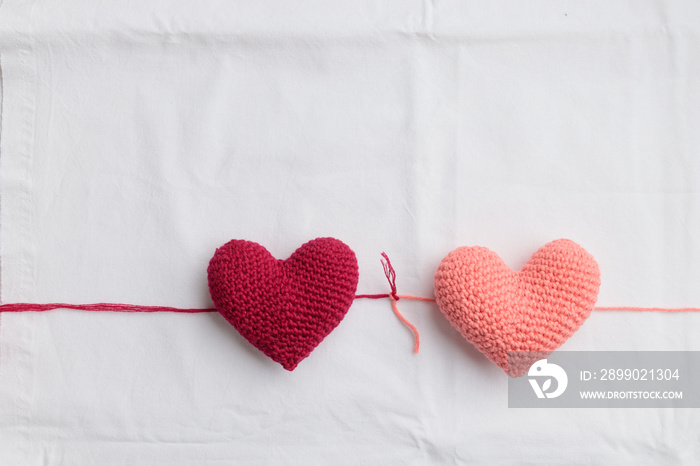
(416, 298)
(390, 274)
(416, 336)
(648, 309)
(113, 307)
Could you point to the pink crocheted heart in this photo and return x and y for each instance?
(535, 310)
(285, 308)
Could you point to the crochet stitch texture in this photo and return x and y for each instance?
(534, 310)
(285, 308)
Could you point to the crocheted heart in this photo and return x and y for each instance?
(285, 308)
(534, 310)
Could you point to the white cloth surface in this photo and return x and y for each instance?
(137, 137)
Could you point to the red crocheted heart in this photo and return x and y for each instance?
(285, 308)
(535, 310)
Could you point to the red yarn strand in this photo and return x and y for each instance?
(373, 296)
(111, 307)
(390, 274)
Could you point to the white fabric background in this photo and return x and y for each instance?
(137, 137)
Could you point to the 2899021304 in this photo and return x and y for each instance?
(634, 374)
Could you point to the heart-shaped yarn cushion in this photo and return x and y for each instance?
(535, 310)
(285, 308)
